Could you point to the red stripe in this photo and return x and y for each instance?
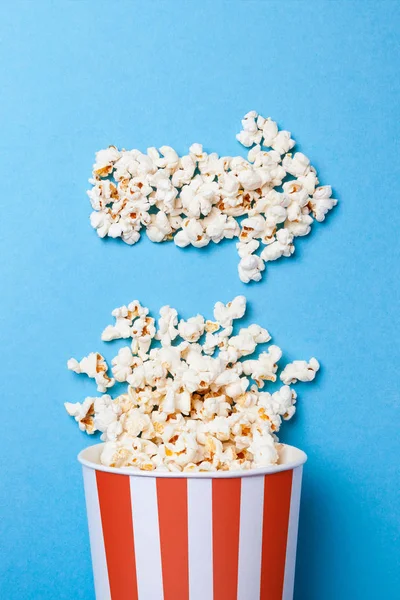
(116, 519)
(226, 525)
(277, 493)
(173, 523)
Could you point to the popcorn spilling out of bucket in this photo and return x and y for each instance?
(195, 398)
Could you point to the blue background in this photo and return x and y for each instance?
(77, 76)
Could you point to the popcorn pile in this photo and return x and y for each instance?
(198, 198)
(191, 403)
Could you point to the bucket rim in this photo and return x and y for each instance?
(290, 456)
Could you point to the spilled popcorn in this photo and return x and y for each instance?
(192, 403)
(201, 198)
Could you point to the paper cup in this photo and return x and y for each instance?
(193, 536)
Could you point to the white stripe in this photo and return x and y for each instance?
(147, 538)
(250, 538)
(99, 562)
(290, 563)
(200, 539)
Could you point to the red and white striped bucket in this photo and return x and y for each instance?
(193, 536)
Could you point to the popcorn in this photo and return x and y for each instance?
(321, 202)
(116, 454)
(95, 367)
(252, 228)
(200, 198)
(243, 343)
(124, 317)
(250, 133)
(251, 179)
(160, 227)
(296, 165)
(182, 451)
(282, 402)
(192, 329)
(282, 246)
(219, 226)
(83, 414)
(282, 142)
(247, 248)
(167, 322)
(136, 422)
(106, 419)
(269, 132)
(143, 331)
(265, 367)
(300, 370)
(217, 340)
(250, 268)
(259, 334)
(194, 405)
(105, 160)
(299, 226)
(225, 314)
(170, 158)
(263, 450)
(122, 364)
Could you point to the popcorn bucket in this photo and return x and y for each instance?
(193, 536)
